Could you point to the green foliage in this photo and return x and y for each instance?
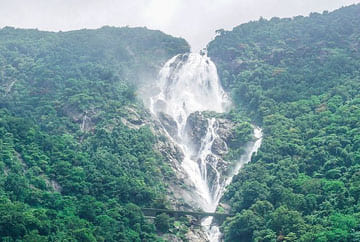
(241, 227)
(70, 170)
(162, 222)
(299, 80)
(242, 133)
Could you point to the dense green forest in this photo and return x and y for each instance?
(70, 170)
(299, 79)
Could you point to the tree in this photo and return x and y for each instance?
(241, 227)
(162, 222)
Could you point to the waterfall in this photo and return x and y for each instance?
(213, 231)
(188, 85)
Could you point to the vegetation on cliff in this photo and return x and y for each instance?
(77, 159)
(69, 167)
(299, 80)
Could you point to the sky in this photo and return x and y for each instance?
(194, 20)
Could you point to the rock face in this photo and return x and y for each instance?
(169, 124)
(86, 124)
(195, 234)
(219, 147)
(133, 119)
(196, 128)
(225, 130)
(202, 130)
(86, 119)
(181, 193)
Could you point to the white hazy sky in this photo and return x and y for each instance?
(194, 20)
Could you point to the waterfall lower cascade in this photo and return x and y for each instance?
(188, 88)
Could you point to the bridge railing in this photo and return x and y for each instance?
(153, 212)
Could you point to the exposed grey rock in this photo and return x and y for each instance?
(219, 147)
(195, 234)
(171, 238)
(182, 194)
(169, 124)
(53, 184)
(225, 130)
(133, 117)
(196, 128)
(211, 176)
(9, 87)
(86, 120)
(225, 207)
(179, 189)
(171, 152)
(23, 163)
(215, 164)
(86, 124)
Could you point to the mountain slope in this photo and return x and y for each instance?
(71, 167)
(299, 79)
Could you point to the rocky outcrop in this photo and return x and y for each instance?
(196, 129)
(219, 147)
(9, 87)
(180, 190)
(53, 185)
(169, 124)
(196, 234)
(132, 119)
(202, 130)
(224, 130)
(215, 164)
(86, 120)
(86, 124)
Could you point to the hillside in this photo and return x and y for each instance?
(299, 80)
(80, 154)
(70, 168)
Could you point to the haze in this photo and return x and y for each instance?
(196, 21)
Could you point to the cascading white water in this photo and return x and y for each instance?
(213, 231)
(189, 83)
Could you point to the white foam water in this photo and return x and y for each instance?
(213, 231)
(189, 83)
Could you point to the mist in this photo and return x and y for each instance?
(196, 21)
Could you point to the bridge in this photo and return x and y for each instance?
(153, 212)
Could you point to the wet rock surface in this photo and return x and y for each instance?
(214, 166)
(169, 124)
(188, 84)
(195, 234)
(86, 120)
(219, 147)
(196, 128)
(225, 130)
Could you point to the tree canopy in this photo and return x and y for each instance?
(298, 78)
(70, 168)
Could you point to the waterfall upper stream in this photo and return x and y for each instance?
(188, 89)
